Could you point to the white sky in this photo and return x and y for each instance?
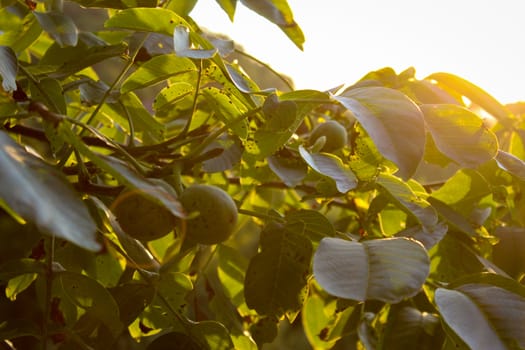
(482, 41)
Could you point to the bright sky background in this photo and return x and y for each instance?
(482, 41)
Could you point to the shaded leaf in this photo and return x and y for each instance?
(393, 121)
(156, 20)
(484, 316)
(213, 334)
(331, 166)
(43, 196)
(276, 276)
(8, 68)
(454, 218)
(91, 296)
(460, 134)
(156, 70)
(290, 170)
(388, 270)
(428, 236)
(15, 268)
(230, 155)
(314, 224)
(60, 26)
(410, 328)
(167, 341)
(511, 164)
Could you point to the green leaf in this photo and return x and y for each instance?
(182, 7)
(156, 70)
(393, 121)
(454, 218)
(281, 122)
(410, 201)
(484, 316)
(21, 35)
(60, 26)
(291, 170)
(331, 166)
(18, 284)
(229, 109)
(14, 268)
(428, 236)
(131, 299)
(213, 334)
(388, 270)
(279, 13)
(230, 149)
(463, 191)
(460, 134)
(116, 4)
(91, 296)
(231, 272)
(229, 7)
(144, 19)
(511, 164)
(473, 93)
(8, 68)
(44, 196)
(50, 93)
(277, 275)
(62, 62)
(169, 96)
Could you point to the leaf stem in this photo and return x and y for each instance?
(194, 105)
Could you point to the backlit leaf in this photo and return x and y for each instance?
(460, 134)
(156, 20)
(290, 170)
(43, 196)
(393, 121)
(388, 270)
(511, 164)
(157, 69)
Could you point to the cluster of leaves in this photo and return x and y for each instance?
(408, 235)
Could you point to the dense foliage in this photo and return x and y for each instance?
(154, 197)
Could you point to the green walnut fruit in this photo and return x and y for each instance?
(217, 214)
(334, 133)
(141, 217)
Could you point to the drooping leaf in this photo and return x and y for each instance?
(331, 166)
(145, 19)
(43, 196)
(229, 7)
(8, 68)
(428, 236)
(230, 154)
(393, 121)
(473, 93)
(279, 13)
(408, 199)
(460, 134)
(511, 164)
(21, 34)
(276, 276)
(451, 216)
(212, 334)
(157, 69)
(484, 316)
(60, 26)
(388, 270)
